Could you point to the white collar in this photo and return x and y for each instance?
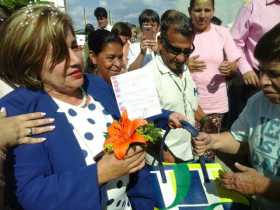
(163, 69)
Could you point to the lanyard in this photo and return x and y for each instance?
(181, 89)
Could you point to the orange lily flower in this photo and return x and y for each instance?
(123, 133)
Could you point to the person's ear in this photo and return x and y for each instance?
(92, 57)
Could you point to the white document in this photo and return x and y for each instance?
(135, 92)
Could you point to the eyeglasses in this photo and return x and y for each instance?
(177, 51)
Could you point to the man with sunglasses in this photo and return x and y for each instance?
(175, 87)
(102, 18)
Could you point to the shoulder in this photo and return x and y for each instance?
(97, 87)
(19, 98)
(95, 83)
(220, 30)
(24, 100)
(249, 4)
(246, 2)
(259, 100)
(151, 66)
(134, 47)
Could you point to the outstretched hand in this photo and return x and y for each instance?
(248, 181)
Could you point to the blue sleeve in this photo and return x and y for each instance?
(161, 120)
(37, 187)
(49, 175)
(141, 194)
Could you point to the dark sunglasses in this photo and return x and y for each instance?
(176, 51)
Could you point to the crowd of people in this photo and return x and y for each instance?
(55, 107)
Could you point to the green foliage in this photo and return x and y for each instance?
(108, 148)
(13, 5)
(106, 135)
(150, 132)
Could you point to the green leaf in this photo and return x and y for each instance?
(108, 148)
(150, 132)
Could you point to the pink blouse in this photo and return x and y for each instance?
(212, 47)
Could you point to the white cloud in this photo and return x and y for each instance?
(103, 3)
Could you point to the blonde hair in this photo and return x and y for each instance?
(26, 39)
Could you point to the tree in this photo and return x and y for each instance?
(14, 4)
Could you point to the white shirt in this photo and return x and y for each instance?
(134, 51)
(89, 125)
(108, 27)
(179, 95)
(259, 126)
(4, 88)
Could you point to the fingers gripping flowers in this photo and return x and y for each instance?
(121, 134)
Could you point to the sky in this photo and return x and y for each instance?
(129, 10)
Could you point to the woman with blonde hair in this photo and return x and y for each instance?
(39, 53)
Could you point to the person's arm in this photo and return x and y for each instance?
(168, 119)
(231, 53)
(249, 182)
(138, 62)
(19, 129)
(144, 45)
(200, 116)
(37, 185)
(227, 68)
(240, 32)
(223, 142)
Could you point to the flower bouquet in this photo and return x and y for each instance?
(125, 132)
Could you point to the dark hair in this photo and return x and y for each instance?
(192, 2)
(121, 28)
(216, 21)
(268, 47)
(100, 12)
(178, 21)
(98, 39)
(89, 28)
(148, 15)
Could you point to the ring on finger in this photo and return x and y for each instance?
(29, 131)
